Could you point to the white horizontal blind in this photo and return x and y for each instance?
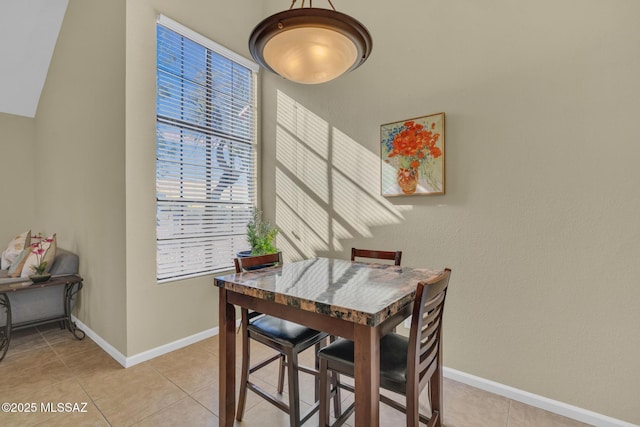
(205, 156)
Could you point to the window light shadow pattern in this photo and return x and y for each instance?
(327, 184)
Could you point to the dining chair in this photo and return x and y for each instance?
(407, 365)
(287, 338)
(395, 256)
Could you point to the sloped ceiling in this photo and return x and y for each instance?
(28, 33)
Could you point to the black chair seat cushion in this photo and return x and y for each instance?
(283, 331)
(393, 359)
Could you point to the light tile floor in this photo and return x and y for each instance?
(46, 366)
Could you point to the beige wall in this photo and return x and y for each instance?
(17, 142)
(103, 191)
(540, 219)
(80, 157)
(100, 187)
(159, 314)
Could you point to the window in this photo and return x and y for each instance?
(205, 153)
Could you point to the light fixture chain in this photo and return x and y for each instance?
(293, 3)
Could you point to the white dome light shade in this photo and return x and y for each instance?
(310, 55)
(310, 45)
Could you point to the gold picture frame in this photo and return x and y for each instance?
(412, 156)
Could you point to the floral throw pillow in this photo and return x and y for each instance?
(16, 266)
(16, 246)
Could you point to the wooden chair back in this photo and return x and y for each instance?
(254, 263)
(424, 356)
(259, 260)
(395, 256)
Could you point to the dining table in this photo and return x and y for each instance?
(353, 300)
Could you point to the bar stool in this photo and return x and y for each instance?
(287, 338)
(396, 256)
(407, 365)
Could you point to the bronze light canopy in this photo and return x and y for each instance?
(310, 45)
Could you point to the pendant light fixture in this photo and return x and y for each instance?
(310, 45)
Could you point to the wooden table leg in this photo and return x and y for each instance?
(367, 376)
(227, 360)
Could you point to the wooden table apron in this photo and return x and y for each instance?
(366, 338)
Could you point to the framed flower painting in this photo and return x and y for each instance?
(412, 156)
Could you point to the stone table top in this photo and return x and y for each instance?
(363, 293)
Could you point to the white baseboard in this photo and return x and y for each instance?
(535, 400)
(167, 348)
(130, 361)
(525, 397)
(111, 350)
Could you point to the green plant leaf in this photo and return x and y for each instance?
(261, 235)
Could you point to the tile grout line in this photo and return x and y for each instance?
(188, 395)
(508, 413)
(76, 379)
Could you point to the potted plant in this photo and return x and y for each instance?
(40, 268)
(260, 235)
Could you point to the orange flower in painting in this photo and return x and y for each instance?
(414, 141)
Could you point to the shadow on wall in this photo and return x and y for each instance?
(327, 185)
